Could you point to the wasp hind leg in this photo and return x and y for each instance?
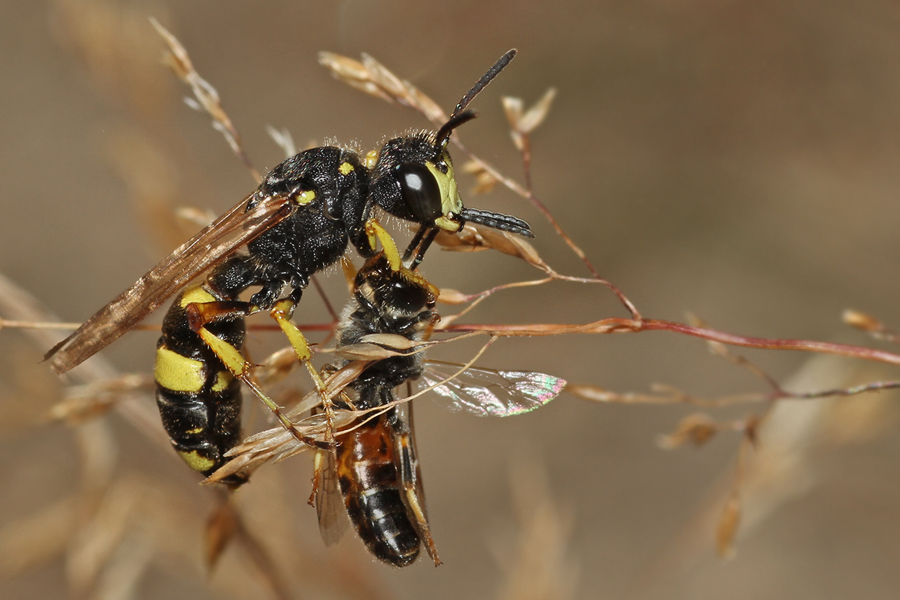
(203, 316)
(198, 398)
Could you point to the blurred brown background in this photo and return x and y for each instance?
(737, 160)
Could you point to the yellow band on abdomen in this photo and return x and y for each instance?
(178, 373)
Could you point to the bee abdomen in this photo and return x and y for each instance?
(199, 400)
(370, 484)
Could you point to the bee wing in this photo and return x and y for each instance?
(404, 431)
(411, 477)
(329, 500)
(486, 392)
(210, 246)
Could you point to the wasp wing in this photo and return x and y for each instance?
(489, 393)
(210, 246)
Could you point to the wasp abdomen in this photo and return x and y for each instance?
(371, 486)
(198, 398)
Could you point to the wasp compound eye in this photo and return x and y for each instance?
(420, 191)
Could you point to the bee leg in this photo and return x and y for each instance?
(412, 497)
(323, 461)
(319, 459)
(282, 312)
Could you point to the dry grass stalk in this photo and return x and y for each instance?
(206, 95)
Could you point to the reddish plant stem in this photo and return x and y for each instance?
(603, 326)
(616, 325)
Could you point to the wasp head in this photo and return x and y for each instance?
(414, 180)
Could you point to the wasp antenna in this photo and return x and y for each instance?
(497, 221)
(443, 135)
(485, 79)
(460, 114)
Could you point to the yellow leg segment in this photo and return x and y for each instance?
(230, 356)
(235, 362)
(242, 369)
(376, 232)
(413, 503)
(282, 314)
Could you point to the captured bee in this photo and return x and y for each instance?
(374, 466)
(375, 463)
(299, 221)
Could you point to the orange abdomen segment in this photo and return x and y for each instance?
(370, 484)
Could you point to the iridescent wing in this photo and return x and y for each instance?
(210, 246)
(489, 393)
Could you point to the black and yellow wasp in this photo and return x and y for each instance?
(373, 466)
(300, 220)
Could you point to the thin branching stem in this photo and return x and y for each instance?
(615, 325)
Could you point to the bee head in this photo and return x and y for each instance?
(398, 293)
